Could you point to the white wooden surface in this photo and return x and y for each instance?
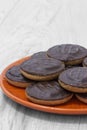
(28, 26)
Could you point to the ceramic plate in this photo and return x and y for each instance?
(73, 107)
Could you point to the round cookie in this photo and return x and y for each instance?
(40, 55)
(70, 54)
(42, 69)
(14, 77)
(85, 62)
(74, 79)
(82, 97)
(47, 93)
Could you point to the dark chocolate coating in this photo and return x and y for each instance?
(67, 52)
(75, 77)
(40, 55)
(14, 74)
(42, 67)
(47, 91)
(85, 61)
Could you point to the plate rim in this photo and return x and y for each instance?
(49, 109)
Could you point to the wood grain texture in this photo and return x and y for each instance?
(29, 26)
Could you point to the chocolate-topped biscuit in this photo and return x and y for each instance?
(82, 97)
(41, 55)
(74, 79)
(14, 77)
(47, 93)
(70, 54)
(42, 69)
(85, 62)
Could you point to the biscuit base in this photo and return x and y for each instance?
(49, 102)
(18, 84)
(81, 98)
(39, 77)
(72, 88)
(74, 62)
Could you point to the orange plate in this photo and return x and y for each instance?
(73, 107)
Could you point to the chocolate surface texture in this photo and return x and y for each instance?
(47, 91)
(15, 75)
(42, 66)
(75, 77)
(40, 55)
(67, 52)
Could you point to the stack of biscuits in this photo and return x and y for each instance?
(54, 76)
